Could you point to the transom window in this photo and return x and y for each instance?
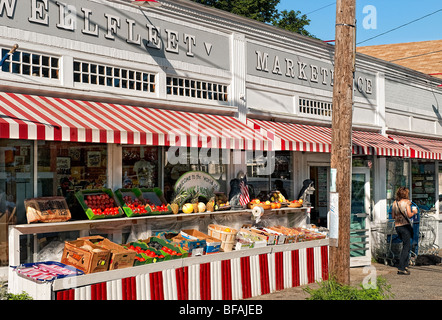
(314, 107)
(97, 74)
(196, 89)
(31, 64)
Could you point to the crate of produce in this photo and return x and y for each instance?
(279, 236)
(99, 203)
(226, 234)
(247, 239)
(291, 234)
(46, 271)
(155, 202)
(144, 253)
(47, 209)
(132, 202)
(175, 251)
(195, 246)
(84, 255)
(270, 237)
(120, 256)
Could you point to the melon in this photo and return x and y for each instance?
(187, 208)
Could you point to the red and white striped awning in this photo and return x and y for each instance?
(301, 137)
(47, 118)
(420, 148)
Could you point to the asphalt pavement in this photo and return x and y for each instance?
(423, 283)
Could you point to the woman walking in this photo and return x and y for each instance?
(401, 213)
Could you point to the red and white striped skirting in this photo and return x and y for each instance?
(230, 279)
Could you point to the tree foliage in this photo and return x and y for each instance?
(264, 11)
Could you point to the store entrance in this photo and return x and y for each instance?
(320, 198)
(360, 254)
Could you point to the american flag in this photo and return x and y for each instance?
(244, 197)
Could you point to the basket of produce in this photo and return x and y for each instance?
(295, 204)
(258, 203)
(227, 235)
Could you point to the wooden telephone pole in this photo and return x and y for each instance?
(341, 150)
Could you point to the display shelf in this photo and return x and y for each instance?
(93, 278)
(181, 278)
(16, 231)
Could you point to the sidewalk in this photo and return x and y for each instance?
(424, 283)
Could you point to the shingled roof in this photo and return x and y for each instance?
(423, 56)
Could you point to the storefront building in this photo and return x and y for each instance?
(108, 94)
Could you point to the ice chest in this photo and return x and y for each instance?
(85, 256)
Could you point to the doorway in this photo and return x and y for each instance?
(320, 198)
(360, 253)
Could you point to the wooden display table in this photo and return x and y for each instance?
(227, 275)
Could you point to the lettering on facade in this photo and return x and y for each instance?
(305, 72)
(109, 27)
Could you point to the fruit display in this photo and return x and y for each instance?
(99, 204)
(256, 202)
(276, 196)
(135, 204)
(295, 203)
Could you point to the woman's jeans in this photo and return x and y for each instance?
(405, 235)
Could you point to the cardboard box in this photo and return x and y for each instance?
(270, 237)
(47, 209)
(195, 246)
(258, 240)
(279, 237)
(120, 256)
(213, 245)
(85, 256)
(291, 234)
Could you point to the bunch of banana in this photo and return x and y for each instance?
(276, 196)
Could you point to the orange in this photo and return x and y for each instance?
(273, 205)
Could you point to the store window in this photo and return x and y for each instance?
(398, 174)
(141, 166)
(66, 167)
(181, 160)
(16, 184)
(270, 172)
(423, 183)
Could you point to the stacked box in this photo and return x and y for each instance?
(120, 256)
(85, 256)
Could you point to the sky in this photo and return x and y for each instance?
(373, 18)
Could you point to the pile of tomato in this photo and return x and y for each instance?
(102, 204)
(161, 208)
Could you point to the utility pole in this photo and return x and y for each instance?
(341, 150)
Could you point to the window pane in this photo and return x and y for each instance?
(16, 185)
(140, 167)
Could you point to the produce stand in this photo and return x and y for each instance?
(237, 274)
